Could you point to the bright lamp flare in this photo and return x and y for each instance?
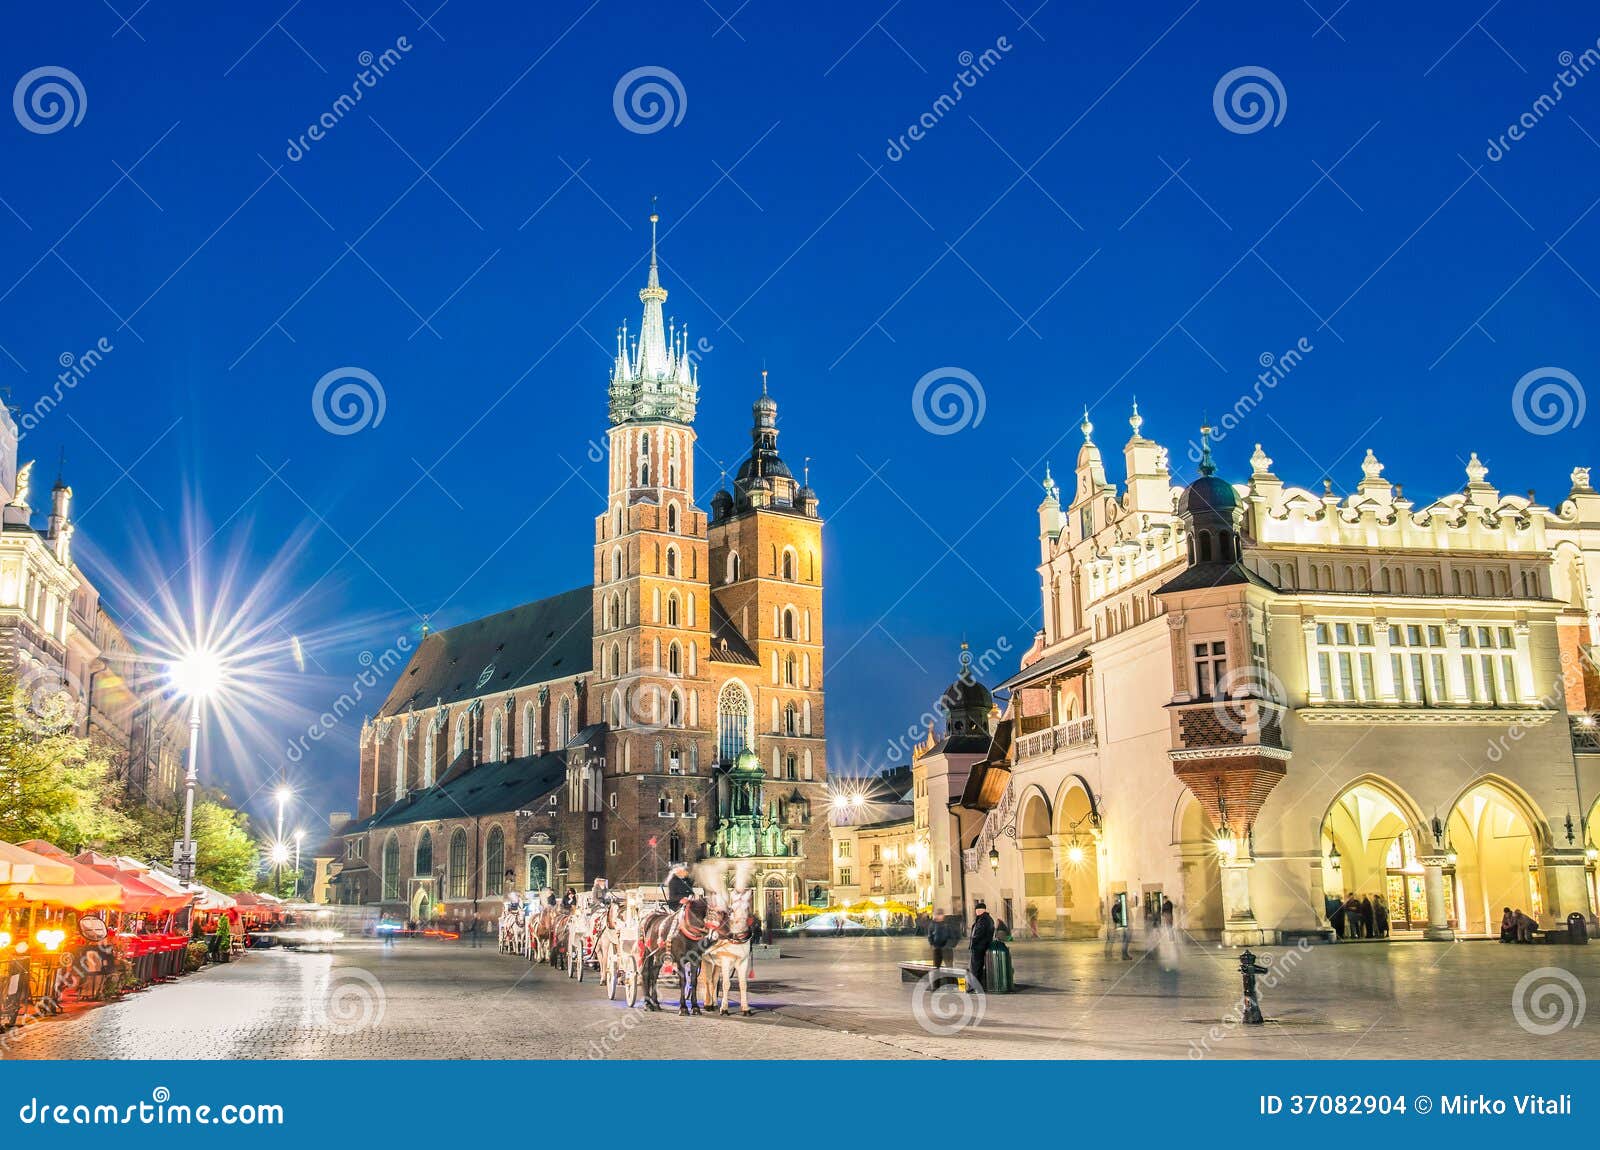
(280, 853)
(283, 794)
(1075, 855)
(198, 674)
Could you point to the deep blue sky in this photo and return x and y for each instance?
(849, 285)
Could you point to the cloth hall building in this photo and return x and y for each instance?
(671, 710)
(1254, 699)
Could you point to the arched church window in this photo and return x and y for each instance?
(424, 856)
(672, 610)
(391, 867)
(672, 562)
(733, 720)
(458, 864)
(672, 517)
(674, 659)
(788, 565)
(791, 720)
(788, 622)
(675, 710)
(494, 862)
(674, 847)
(788, 669)
(733, 566)
(461, 737)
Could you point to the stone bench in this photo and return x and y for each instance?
(942, 976)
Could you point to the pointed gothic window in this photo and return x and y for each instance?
(672, 610)
(494, 856)
(675, 710)
(672, 517)
(461, 738)
(791, 720)
(424, 856)
(788, 565)
(674, 659)
(391, 867)
(458, 864)
(788, 622)
(672, 562)
(733, 720)
(675, 847)
(733, 567)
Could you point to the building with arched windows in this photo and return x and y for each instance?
(593, 733)
(1258, 701)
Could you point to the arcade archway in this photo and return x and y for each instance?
(1370, 847)
(1078, 836)
(1038, 868)
(1201, 897)
(1495, 835)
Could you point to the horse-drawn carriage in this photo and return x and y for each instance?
(633, 939)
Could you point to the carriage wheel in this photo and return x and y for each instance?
(611, 981)
(631, 986)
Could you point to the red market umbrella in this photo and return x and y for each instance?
(137, 895)
(92, 888)
(33, 877)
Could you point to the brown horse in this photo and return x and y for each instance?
(681, 935)
(541, 934)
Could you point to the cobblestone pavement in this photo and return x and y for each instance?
(842, 998)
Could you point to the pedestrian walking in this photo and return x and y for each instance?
(978, 947)
(1166, 913)
(1119, 926)
(940, 939)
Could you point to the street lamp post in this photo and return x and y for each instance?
(196, 676)
(299, 836)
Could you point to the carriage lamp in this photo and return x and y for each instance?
(994, 859)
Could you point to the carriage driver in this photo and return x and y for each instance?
(600, 894)
(679, 888)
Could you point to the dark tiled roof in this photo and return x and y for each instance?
(1203, 575)
(487, 789)
(1040, 668)
(962, 745)
(534, 643)
(724, 632)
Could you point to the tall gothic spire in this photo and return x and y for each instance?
(654, 378)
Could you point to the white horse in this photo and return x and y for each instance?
(730, 954)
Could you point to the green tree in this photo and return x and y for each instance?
(54, 784)
(229, 858)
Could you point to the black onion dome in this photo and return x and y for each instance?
(1208, 494)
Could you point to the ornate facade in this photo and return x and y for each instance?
(670, 710)
(1254, 699)
(70, 659)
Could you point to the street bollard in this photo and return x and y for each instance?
(1248, 969)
